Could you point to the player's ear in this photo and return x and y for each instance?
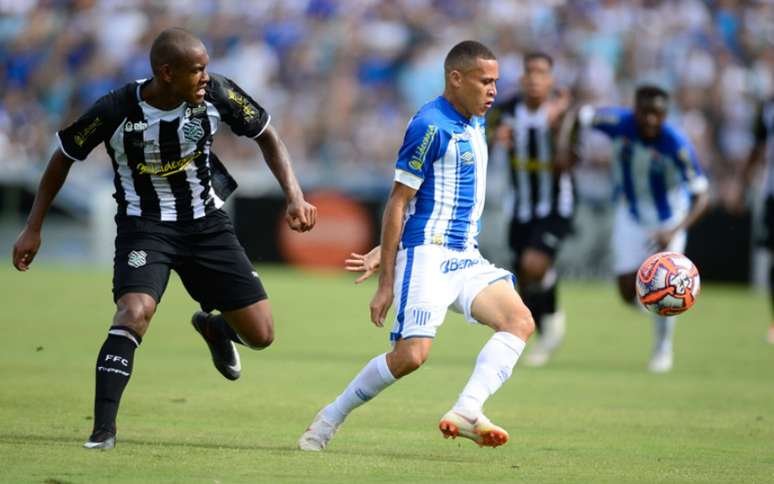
(165, 72)
(455, 77)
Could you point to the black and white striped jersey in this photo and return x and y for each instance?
(539, 190)
(764, 135)
(164, 167)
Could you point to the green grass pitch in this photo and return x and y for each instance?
(594, 415)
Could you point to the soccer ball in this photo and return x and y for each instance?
(667, 283)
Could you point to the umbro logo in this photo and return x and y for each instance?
(137, 258)
(467, 157)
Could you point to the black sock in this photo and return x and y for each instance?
(534, 302)
(219, 327)
(549, 299)
(114, 367)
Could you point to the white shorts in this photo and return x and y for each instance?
(633, 243)
(431, 278)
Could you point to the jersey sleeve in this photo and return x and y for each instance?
(80, 138)
(607, 120)
(236, 108)
(689, 167)
(421, 147)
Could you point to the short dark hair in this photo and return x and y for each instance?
(463, 55)
(170, 46)
(651, 92)
(535, 55)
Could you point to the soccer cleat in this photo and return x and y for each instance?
(101, 439)
(660, 362)
(550, 339)
(224, 353)
(318, 434)
(480, 430)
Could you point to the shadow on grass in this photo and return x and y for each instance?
(408, 456)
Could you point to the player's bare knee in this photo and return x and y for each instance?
(404, 362)
(260, 337)
(135, 314)
(519, 323)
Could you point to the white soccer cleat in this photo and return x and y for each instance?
(551, 337)
(480, 430)
(318, 434)
(660, 362)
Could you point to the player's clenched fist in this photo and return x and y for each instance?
(301, 216)
(25, 248)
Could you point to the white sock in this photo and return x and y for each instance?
(494, 366)
(371, 380)
(663, 331)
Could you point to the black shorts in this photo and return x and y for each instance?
(204, 252)
(767, 237)
(543, 234)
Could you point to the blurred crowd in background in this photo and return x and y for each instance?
(342, 77)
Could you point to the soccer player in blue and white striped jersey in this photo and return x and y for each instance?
(430, 259)
(660, 192)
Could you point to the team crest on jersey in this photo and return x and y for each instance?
(137, 258)
(193, 131)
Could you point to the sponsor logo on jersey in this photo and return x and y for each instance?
(193, 131)
(168, 167)
(137, 258)
(467, 157)
(138, 126)
(248, 111)
(81, 137)
(454, 264)
(193, 111)
(418, 160)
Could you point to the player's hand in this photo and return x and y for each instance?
(380, 304)
(301, 215)
(662, 238)
(25, 249)
(367, 264)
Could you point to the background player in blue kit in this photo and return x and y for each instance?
(660, 192)
(430, 259)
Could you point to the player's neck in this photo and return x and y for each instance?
(534, 103)
(153, 94)
(457, 105)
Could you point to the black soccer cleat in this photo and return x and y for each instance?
(225, 356)
(101, 438)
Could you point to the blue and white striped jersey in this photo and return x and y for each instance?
(444, 158)
(656, 178)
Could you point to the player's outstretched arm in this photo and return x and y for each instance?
(28, 243)
(365, 263)
(392, 227)
(300, 215)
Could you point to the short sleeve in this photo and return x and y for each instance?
(421, 147)
(236, 108)
(91, 129)
(607, 120)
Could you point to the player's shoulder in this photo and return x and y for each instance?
(613, 115)
(221, 87)
(674, 136)
(117, 101)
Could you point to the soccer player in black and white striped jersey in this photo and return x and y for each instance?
(763, 149)
(541, 202)
(170, 189)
